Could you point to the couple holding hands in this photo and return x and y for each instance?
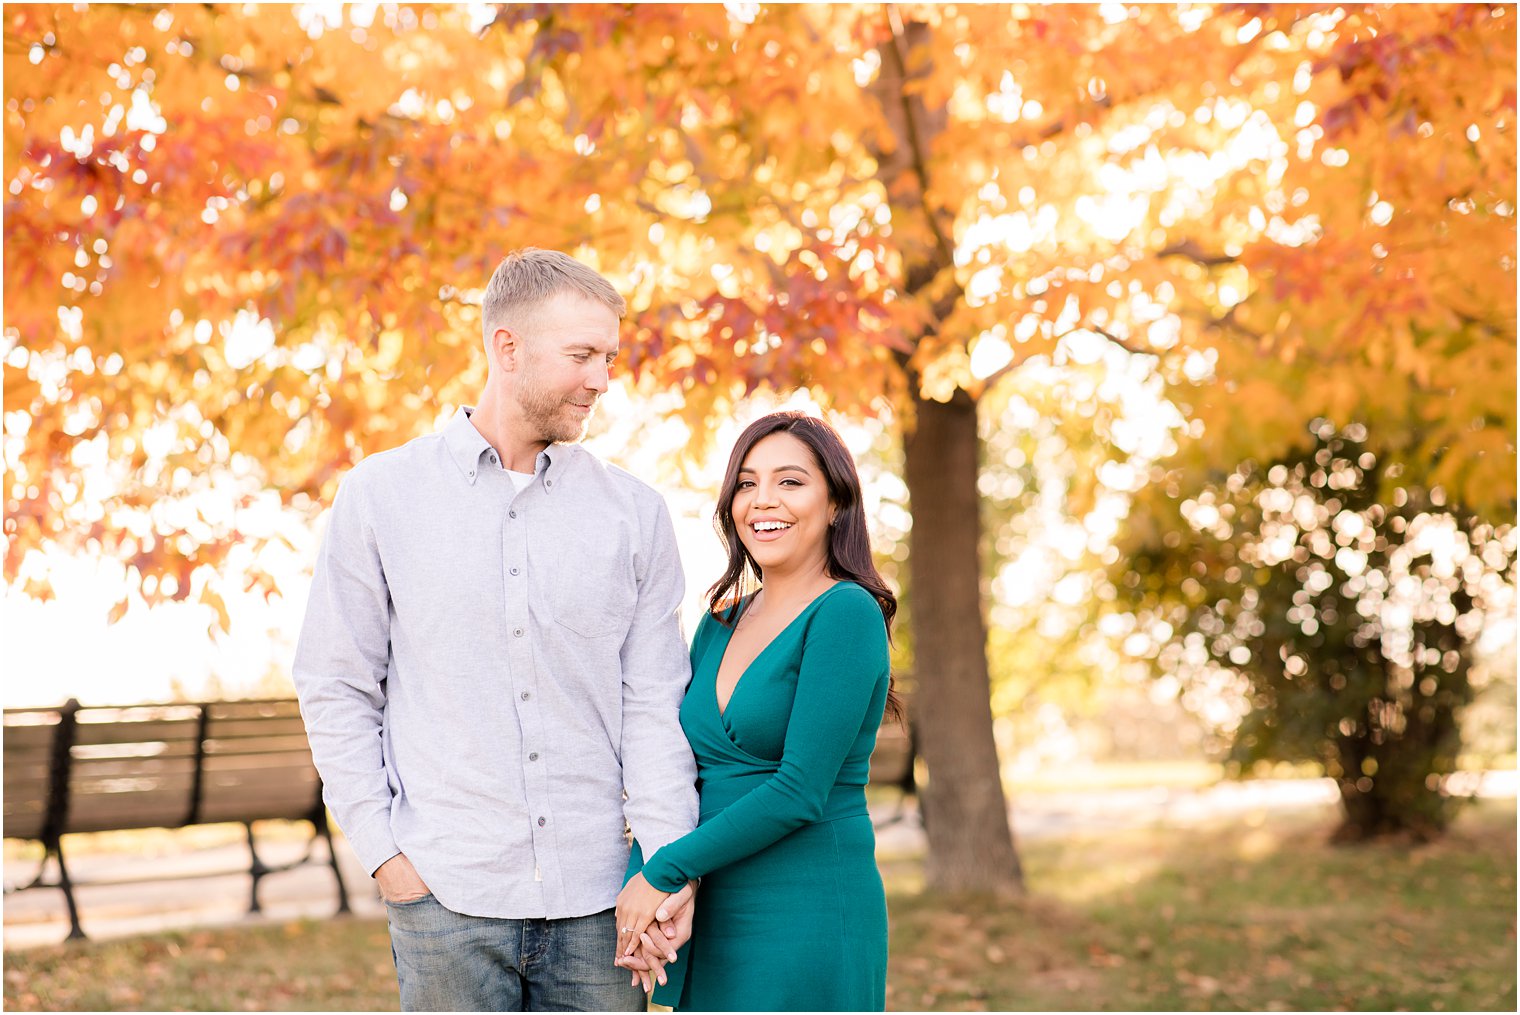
(497, 692)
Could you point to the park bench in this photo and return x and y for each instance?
(73, 769)
(892, 767)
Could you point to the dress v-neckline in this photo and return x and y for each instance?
(723, 707)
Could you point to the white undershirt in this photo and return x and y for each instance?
(520, 480)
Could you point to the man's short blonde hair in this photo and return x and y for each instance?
(526, 279)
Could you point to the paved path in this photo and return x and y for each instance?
(38, 917)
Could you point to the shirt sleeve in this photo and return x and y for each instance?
(339, 671)
(659, 772)
(844, 660)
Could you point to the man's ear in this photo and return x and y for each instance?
(506, 348)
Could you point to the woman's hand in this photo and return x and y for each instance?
(647, 965)
(636, 905)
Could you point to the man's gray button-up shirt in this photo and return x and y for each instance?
(456, 627)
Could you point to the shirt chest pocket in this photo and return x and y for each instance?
(592, 591)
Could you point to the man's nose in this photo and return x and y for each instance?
(599, 376)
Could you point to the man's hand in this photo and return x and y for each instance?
(658, 944)
(399, 881)
(675, 914)
(648, 963)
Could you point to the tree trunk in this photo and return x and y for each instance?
(965, 814)
(1412, 741)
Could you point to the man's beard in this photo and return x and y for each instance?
(550, 415)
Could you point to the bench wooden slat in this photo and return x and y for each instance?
(84, 777)
(228, 786)
(25, 822)
(100, 754)
(101, 791)
(28, 760)
(273, 726)
(29, 737)
(220, 711)
(295, 744)
(150, 732)
(129, 819)
(224, 781)
(26, 770)
(243, 772)
(273, 810)
(23, 806)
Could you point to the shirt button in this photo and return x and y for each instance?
(533, 756)
(472, 473)
(510, 514)
(542, 822)
(524, 696)
(514, 570)
(548, 482)
(493, 459)
(517, 632)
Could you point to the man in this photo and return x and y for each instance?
(491, 659)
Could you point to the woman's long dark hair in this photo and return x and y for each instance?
(849, 544)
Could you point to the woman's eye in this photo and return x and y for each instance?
(745, 484)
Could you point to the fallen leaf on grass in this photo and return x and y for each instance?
(1205, 985)
(1100, 956)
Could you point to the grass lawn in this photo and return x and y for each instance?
(1250, 915)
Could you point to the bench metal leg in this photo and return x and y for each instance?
(76, 932)
(256, 869)
(332, 858)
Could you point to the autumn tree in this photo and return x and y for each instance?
(896, 206)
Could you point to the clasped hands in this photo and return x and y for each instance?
(651, 925)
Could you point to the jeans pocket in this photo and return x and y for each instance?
(404, 903)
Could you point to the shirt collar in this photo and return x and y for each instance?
(467, 445)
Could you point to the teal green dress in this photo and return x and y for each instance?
(791, 915)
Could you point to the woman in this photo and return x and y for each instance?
(789, 685)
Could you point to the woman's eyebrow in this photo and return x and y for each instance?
(780, 468)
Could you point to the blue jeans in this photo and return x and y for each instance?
(446, 961)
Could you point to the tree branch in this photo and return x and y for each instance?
(1190, 250)
(916, 142)
(1113, 339)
